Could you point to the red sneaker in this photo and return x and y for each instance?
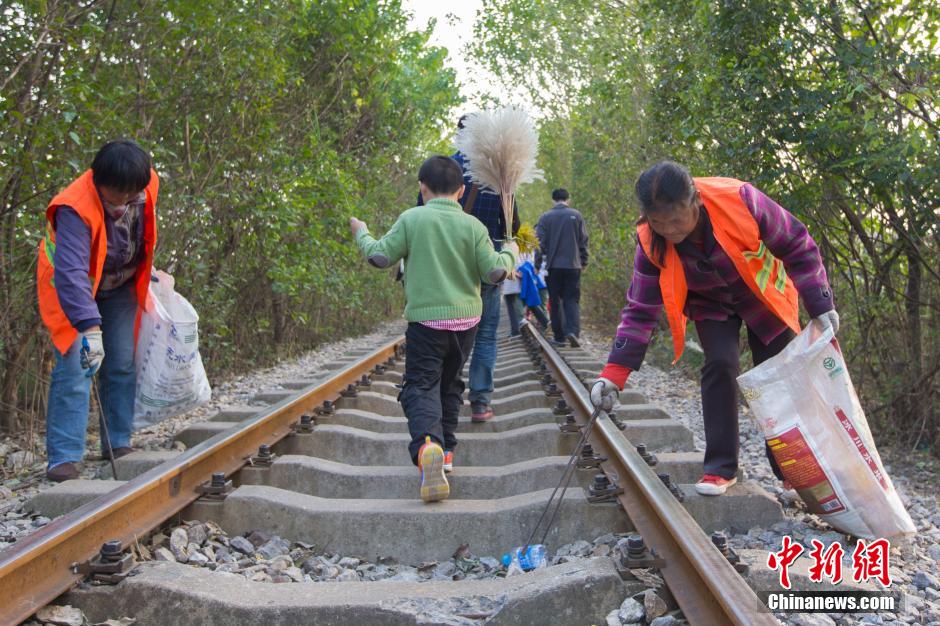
(480, 413)
(448, 461)
(711, 485)
(434, 485)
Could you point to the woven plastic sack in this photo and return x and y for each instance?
(170, 376)
(807, 408)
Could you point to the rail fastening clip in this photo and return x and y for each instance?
(603, 490)
(216, 488)
(109, 567)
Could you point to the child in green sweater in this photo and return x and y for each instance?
(447, 254)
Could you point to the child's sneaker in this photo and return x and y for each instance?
(711, 485)
(448, 460)
(480, 412)
(434, 484)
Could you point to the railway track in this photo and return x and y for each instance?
(325, 462)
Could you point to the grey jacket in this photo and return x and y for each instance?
(563, 238)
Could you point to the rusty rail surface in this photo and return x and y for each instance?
(708, 589)
(39, 568)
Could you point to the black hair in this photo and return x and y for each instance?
(441, 174)
(463, 118)
(560, 195)
(663, 187)
(121, 165)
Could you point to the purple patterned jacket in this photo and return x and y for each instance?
(716, 290)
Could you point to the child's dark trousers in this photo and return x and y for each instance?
(432, 390)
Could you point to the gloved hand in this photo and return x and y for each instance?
(92, 352)
(603, 394)
(829, 318)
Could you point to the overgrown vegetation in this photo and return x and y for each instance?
(829, 107)
(269, 122)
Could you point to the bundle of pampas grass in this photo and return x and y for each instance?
(501, 147)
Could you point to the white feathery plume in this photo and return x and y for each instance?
(501, 147)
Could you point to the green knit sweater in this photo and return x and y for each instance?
(447, 254)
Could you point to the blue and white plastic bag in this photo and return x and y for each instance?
(170, 376)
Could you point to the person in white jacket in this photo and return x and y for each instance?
(511, 288)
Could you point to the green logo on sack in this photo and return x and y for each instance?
(832, 366)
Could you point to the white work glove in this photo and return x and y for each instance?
(829, 318)
(603, 394)
(92, 352)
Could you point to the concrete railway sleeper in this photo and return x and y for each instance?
(335, 475)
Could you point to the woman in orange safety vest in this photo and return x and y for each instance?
(92, 280)
(721, 253)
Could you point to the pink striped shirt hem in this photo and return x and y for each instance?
(453, 325)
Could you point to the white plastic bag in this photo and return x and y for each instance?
(806, 406)
(170, 376)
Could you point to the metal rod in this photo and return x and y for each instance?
(561, 498)
(565, 479)
(104, 425)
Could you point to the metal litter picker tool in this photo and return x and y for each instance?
(83, 356)
(564, 482)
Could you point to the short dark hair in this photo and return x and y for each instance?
(121, 165)
(560, 195)
(441, 174)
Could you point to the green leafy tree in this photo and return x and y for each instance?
(829, 107)
(269, 123)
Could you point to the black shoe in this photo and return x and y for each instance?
(558, 344)
(63, 472)
(573, 340)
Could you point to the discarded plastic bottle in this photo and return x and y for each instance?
(526, 558)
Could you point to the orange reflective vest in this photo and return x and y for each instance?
(738, 234)
(82, 195)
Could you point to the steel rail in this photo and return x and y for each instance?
(40, 567)
(708, 589)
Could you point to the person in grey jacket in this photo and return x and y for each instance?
(563, 241)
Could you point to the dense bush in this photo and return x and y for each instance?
(269, 122)
(829, 107)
